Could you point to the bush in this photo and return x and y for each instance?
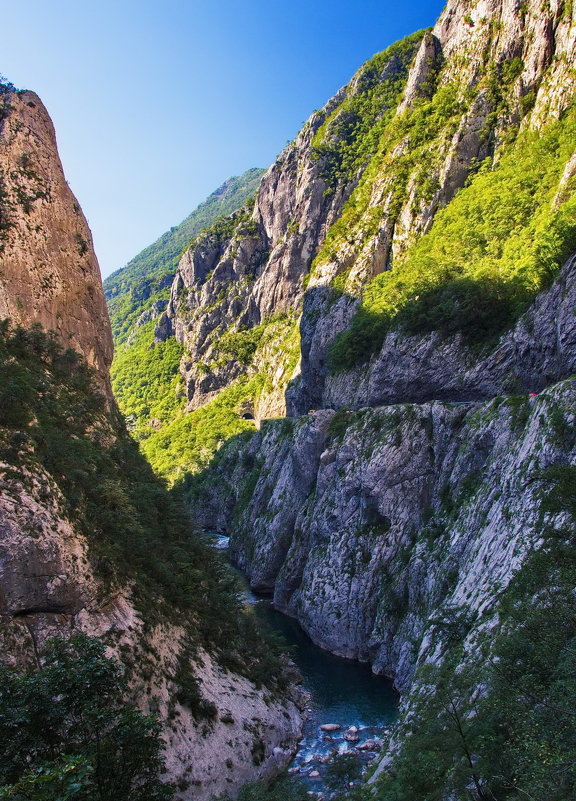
(343, 769)
(66, 731)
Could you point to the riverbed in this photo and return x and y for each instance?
(343, 694)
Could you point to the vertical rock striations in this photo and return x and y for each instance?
(48, 270)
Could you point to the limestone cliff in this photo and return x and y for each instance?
(250, 269)
(48, 270)
(89, 539)
(373, 527)
(507, 68)
(351, 197)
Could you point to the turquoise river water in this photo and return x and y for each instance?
(342, 692)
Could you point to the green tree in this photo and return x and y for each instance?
(343, 769)
(66, 731)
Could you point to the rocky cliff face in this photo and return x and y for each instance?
(63, 452)
(507, 66)
(375, 527)
(540, 349)
(250, 269)
(48, 270)
(342, 206)
(394, 517)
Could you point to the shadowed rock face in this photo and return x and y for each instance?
(48, 586)
(466, 42)
(540, 349)
(48, 269)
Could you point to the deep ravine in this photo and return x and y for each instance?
(342, 693)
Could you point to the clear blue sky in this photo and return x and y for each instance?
(156, 103)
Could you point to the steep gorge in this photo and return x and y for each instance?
(402, 281)
(406, 276)
(90, 539)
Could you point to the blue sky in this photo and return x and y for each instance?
(156, 103)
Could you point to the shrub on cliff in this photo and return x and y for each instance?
(67, 733)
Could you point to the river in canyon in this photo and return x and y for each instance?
(342, 693)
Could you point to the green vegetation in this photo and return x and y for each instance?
(52, 418)
(344, 769)
(188, 443)
(410, 145)
(516, 739)
(498, 243)
(147, 277)
(146, 379)
(150, 392)
(241, 345)
(67, 733)
(282, 788)
(350, 136)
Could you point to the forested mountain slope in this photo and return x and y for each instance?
(137, 286)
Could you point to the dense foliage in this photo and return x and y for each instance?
(146, 379)
(350, 136)
(147, 277)
(67, 732)
(52, 417)
(498, 243)
(150, 393)
(283, 788)
(188, 442)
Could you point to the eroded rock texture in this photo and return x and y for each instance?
(48, 270)
(508, 67)
(375, 527)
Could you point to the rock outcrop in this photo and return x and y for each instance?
(540, 349)
(49, 273)
(376, 528)
(527, 52)
(52, 582)
(251, 268)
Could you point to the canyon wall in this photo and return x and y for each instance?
(49, 273)
(65, 458)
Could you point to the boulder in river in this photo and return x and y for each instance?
(330, 727)
(352, 735)
(370, 745)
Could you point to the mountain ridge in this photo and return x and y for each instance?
(152, 270)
